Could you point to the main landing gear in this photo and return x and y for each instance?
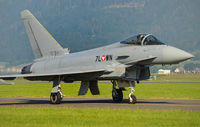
(117, 94)
(56, 92)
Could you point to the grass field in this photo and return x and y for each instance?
(182, 91)
(71, 117)
(24, 88)
(178, 78)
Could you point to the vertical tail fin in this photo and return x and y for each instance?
(42, 43)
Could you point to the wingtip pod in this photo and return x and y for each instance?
(2, 82)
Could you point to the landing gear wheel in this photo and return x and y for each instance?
(55, 98)
(117, 95)
(132, 99)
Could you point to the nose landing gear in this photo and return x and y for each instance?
(132, 98)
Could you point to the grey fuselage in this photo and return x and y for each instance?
(114, 58)
(127, 60)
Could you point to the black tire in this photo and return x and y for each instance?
(55, 98)
(117, 95)
(133, 101)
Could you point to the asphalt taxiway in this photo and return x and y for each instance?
(155, 104)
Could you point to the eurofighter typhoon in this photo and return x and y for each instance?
(123, 63)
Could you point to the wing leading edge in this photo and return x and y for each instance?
(143, 61)
(32, 75)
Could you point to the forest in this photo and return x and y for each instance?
(81, 25)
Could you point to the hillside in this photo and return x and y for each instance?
(80, 25)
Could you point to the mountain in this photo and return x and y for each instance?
(80, 25)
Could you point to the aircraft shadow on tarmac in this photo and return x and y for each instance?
(99, 101)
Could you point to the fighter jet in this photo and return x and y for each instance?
(124, 63)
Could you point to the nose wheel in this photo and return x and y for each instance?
(132, 98)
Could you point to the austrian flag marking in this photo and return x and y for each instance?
(103, 58)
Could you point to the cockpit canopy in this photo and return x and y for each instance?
(142, 39)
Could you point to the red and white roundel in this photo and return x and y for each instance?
(103, 58)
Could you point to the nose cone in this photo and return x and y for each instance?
(172, 55)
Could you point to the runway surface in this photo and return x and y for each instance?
(156, 104)
(149, 82)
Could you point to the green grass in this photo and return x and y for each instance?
(177, 78)
(179, 91)
(70, 117)
(148, 90)
(94, 117)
